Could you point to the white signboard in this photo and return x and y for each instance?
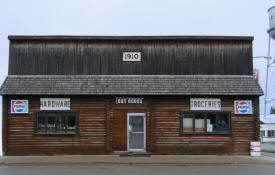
(128, 100)
(131, 56)
(55, 104)
(205, 104)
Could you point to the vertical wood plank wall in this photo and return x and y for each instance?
(159, 57)
(102, 128)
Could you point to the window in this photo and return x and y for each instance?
(206, 123)
(56, 123)
(271, 133)
(262, 133)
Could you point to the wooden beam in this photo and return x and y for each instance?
(5, 125)
(108, 124)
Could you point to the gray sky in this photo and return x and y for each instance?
(140, 17)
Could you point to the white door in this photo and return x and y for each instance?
(136, 136)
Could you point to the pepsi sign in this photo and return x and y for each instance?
(19, 106)
(243, 107)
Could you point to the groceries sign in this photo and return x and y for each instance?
(55, 104)
(205, 104)
(19, 106)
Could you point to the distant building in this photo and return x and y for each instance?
(117, 94)
(268, 128)
(268, 132)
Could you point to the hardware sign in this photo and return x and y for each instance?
(19, 106)
(243, 107)
(131, 56)
(55, 104)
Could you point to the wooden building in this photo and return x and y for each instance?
(121, 94)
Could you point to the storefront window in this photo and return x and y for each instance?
(222, 123)
(61, 127)
(41, 123)
(187, 123)
(196, 123)
(59, 123)
(71, 124)
(211, 123)
(51, 123)
(199, 123)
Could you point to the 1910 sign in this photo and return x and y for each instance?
(131, 56)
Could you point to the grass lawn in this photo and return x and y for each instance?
(268, 151)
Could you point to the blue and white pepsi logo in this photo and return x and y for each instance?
(19, 106)
(243, 107)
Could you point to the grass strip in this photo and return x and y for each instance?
(268, 151)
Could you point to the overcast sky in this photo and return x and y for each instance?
(137, 17)
(129, 17)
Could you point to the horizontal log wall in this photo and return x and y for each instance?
(167, 137)
(163, 134)
(91, 138)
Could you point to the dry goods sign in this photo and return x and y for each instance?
(129, 100)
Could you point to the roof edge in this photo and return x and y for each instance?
(156, 37)
(6, 90)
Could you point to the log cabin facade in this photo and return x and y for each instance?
(138, 94)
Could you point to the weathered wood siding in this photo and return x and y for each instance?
(119, 131)
(91, 138)
(167, 128)
(159, 57)
(103, 128)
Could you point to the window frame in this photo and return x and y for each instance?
(271, 133)
(57, 113)
(262, 132)
(193, 113)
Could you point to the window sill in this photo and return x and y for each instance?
(55, 134)
(206, 134)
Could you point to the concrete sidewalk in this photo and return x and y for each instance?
(154, 159)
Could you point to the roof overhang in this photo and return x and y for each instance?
(130, 85)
